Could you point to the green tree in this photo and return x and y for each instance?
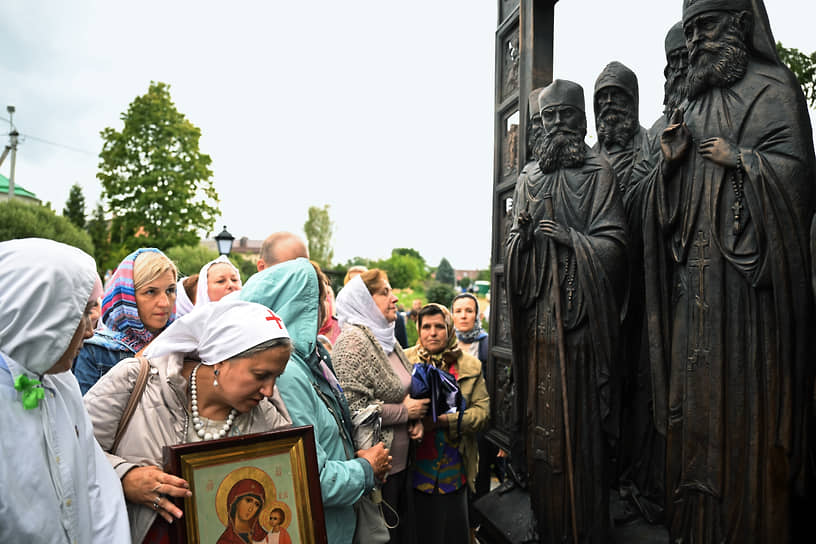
(411, 252)
(154, 179)
(28, 220)
(402, 270)
(803, 67)
(444, 273)
(465, 282)
(319, 230)
(97, 228)
(190, 259)
(74, 209)
(440, 293)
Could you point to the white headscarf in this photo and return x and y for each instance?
(219, 331)
(202, 295)
(356, 307)
(44, 288)
(183, 303)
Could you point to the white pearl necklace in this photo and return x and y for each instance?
(198, 425)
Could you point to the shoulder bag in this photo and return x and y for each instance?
(133, 401)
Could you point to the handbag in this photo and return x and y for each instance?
(371, 526)
(133, 401)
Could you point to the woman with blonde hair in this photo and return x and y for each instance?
(139, 302)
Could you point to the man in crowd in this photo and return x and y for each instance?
(279, 247)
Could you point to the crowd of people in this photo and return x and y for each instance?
(221, 358)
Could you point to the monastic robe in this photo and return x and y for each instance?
(592, 284)
(730, 311)
(641, 452)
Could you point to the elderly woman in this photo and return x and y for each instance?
(217, 279)
(138, 304)
(447, 458)
(372, 369)
(241, 348)
(313, 395)
(56, 483)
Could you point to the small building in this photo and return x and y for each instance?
(19, 192)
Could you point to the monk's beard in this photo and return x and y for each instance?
(675, 89)
(716, 64)
(534, 142)
(561, 149)
(538, 147)
(616, 126)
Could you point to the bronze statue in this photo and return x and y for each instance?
(534, 126)
(674, 87)
(727, 282)
(566, 262)
(639, 454)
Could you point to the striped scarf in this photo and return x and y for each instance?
(119, 312)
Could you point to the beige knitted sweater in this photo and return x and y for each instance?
(365, 373)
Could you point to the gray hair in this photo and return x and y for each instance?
(263, 346)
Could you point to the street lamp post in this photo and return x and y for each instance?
(224, 241)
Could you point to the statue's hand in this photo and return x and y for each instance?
(676, 138)
(555, 230)
(720, 151)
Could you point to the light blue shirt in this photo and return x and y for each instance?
(56, 486)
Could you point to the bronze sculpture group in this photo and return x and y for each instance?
(659, 288)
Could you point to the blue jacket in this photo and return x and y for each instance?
(290, 289)
(98, 355)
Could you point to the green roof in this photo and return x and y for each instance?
(18, 191)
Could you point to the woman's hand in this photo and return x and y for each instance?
(431, 425)
(151, 487)
(379, 459)
(416, 408)
(416, 430)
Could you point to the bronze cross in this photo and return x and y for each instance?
(700, 262)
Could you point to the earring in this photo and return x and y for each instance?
(215, 379)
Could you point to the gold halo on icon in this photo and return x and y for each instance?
(252, 473)
(267, 509)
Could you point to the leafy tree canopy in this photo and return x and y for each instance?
(319, 230)
(803, 67)
(74, 209)
(29, 220)
(440, 293)
(445, 273)
(154, 179)
(190, 259)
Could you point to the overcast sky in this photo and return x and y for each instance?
(381, 109)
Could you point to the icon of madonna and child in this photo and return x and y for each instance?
(246, 503)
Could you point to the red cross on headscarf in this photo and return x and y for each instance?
(273, 317)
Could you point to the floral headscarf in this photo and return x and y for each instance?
(451, 353)
(119, 312)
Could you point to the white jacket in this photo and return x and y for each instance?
(55, 484)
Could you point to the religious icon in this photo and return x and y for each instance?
(254, 489)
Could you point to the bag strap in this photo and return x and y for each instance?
(133, 401)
